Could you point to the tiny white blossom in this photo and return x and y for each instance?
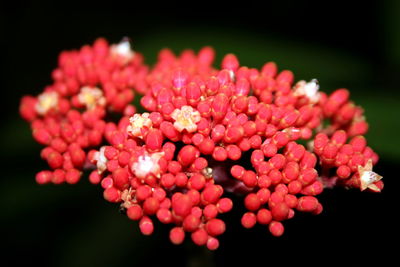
(91, 97)
(138, 123)
(309, 90)
(123, 50)
(147, 164)
(101, 160)
(46, 102)
(186, 118)
(368, 177)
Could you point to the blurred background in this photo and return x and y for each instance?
(342, 44)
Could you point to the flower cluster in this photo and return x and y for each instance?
(69, 116)
(206, 134)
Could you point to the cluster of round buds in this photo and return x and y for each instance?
(69, 116)
(154, 178)
(343, 114)
(206, 132)
(351, 161)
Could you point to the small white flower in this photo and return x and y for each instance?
(147, 164)
(46, 102)
(139, 122)
(309, 90)
(101, 160)
(368, 177)
(186, 118)
(123, 50)
(91, 97)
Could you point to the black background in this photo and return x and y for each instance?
(74, 226)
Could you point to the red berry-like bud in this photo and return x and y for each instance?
(252, 202)
(230, 62)
(55, 160)
(290, 172)
(200, 237)
(207, 146)
(134, 212)
(307, 204)
(250, 179)
(313, 189)
(263, 194)
(193, 93)
(200, 163)
(143, 192)
(224, 205)
(358, 143)
(121, 178)
(191, 223)
(210, 211)
(308, 161)
(330, 151)
(269, 150)
(269, 69)
(220, 153)
(343, 172)
(211, 194)
(42, 136)
(177, 235)
(212, 243)
(181, 204)
(219, 106)
(248, 220)
(72, 176)
(237, 171)
(339, 137)
(264, 216)
(278, 161)
(320, 141)
(276, 228)
(264, 181)
(44, 177)
(280, 211)
(154, 140)
(256, 157)
(242, 87)
(151, 206)
(112, 194)
(169, 131)
(197, 181)
(215, 227)
(58, 176)
(146, 226)
(233, 134)
(187, 155)
(294, 187)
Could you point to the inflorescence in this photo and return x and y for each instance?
(206, 134)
